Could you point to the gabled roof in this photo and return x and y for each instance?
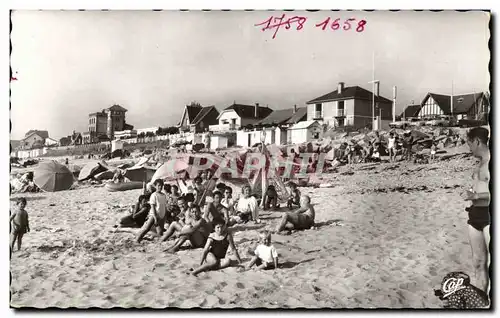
(192, 111)
(117, 108)
(411, 111)
(202, 114)
(41, 133)
(248, 111)
(284, 116)
(351, 92)
(304, 124)
(461, 103)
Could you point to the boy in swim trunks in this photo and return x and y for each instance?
(214, 253)
(265, 254)
(479, 214)
(20, 225)
(301, 219)
(196, 230)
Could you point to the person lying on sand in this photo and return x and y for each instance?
(214, 253)
(196, 230)
(294, 197)
(247, 207)
(19, 225)
(265, 253)
(479, 212)
(139, 213)
(301, 219)
(158, 202)
(215, 210)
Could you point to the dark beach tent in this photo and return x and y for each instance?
(139, 173)
(52, 176)
(91, 169)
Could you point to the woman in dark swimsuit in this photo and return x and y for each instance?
(215, 250)
(479, 212)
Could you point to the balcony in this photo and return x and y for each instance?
(340, 113)
(223, 127)
(317, 114)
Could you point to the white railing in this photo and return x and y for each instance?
(340, 113)
(223, 127)
(318, 114)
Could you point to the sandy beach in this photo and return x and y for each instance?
(386, 235)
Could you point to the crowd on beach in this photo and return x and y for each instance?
(205, 214)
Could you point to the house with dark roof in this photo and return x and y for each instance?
(348, 106)
(197, 118)
(237, 116)
(464, 106)
(410, 111)
(273, 129)
(34, 139)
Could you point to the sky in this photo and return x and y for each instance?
(72, 63)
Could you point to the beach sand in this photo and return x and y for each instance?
(390, 248)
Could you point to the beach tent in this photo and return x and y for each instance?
(91, 169)
(191, 164)
(139, 173)
(52, 176)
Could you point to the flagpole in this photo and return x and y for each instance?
(373, 88)
(451, 103)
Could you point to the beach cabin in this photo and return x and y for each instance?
(306, 131)
(471, 105)
(218, 142)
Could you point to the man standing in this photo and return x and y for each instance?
(479, 214)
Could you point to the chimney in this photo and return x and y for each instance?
(256, 110)
(294, 108)
(341, 87)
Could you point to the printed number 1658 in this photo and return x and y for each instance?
(346, 25)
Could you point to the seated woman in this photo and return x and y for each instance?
(247, 207)
(139, 213)
(196, 230)
(214, 253)
(301, 219)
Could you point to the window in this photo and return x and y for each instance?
(341, 122)
(340, 104)
(315, 135)
(318, 111)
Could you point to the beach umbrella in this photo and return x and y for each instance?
(52, 176)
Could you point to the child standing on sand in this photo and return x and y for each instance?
(433, 149)
(265, 253)
(214, 253)
(158, 203)
(20, 225)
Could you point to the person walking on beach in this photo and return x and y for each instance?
(158, 203)
(214, 253)
(479, 214)
(19, 225)
(391, 146)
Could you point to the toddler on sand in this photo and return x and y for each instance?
(20, 225)
(265, 253)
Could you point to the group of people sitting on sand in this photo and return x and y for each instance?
(186, 217)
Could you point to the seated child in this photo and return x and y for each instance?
(295, 197)
(20, 225)
(265, 253)
(139, 213)
(271, 198)
(158, 211)
(195, 229)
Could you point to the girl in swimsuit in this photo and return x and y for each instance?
(479, 214)
(214, 253)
